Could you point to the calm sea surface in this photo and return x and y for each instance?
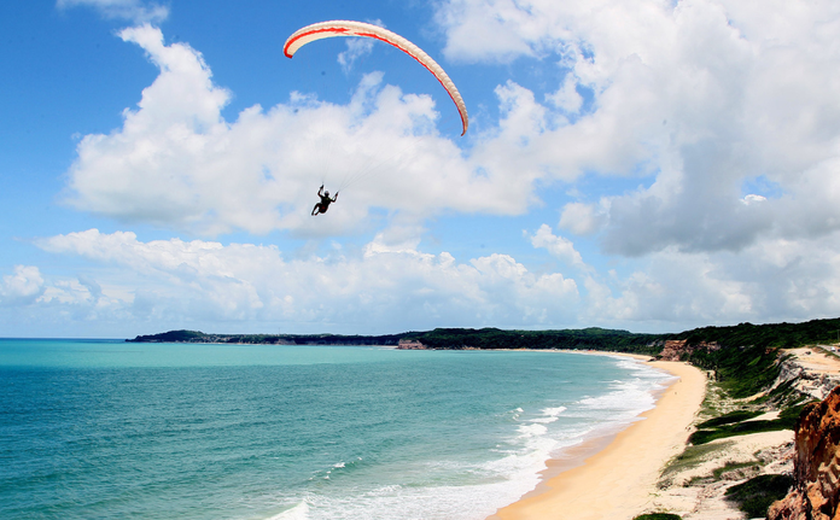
(107, 429)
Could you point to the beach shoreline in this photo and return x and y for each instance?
(614, 477)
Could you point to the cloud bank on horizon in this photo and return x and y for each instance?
(720, 120)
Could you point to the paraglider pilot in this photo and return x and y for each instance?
(321, 207)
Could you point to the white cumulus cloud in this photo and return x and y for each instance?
(24, 286)
(694, 96)
(559, 247)
(176, 162)
(377, 287)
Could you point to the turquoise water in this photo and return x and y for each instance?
(106, 429)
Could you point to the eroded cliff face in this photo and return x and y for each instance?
(675, 349)
(816, 465)
(410, 344)
(815, 383)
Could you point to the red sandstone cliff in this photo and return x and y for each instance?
(817, 465)
(410, 344)
(673, 349)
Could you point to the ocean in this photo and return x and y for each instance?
(107, 429)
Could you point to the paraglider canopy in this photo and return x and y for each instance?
(335, 28)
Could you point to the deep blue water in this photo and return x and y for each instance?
(106, 429)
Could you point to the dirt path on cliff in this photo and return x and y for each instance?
(817, 359)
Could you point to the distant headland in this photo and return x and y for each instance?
(440, 339)
(768, 336)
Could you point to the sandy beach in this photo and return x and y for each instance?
(618, 482)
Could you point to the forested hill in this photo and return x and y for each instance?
(745, 335)
(192, 336)
(773, 335)
(488, 338)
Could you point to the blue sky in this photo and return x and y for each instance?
(649, 165)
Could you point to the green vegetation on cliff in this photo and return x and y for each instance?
(581, 339)
(740, 422)
(769, 336)
(744, 357)
(755, 496)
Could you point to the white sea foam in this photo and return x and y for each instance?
(471, 502)
(497, 483)
(622, 405)
(532, 430)
(549, 415)
(299, 512)
(554, 412)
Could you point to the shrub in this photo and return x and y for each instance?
(755, 495)
(732, 417)
(732, 430)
